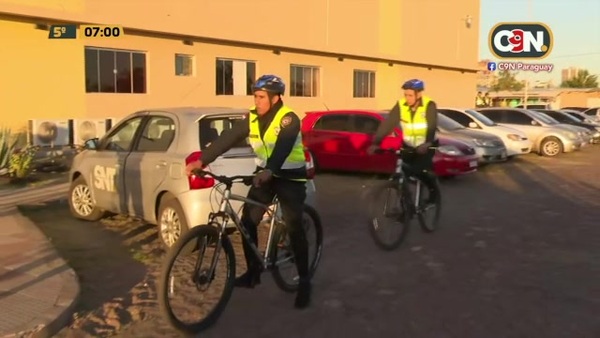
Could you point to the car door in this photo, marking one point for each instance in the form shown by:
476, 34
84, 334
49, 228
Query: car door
331, 141
108, 179
147, 166
523, 122
363, 128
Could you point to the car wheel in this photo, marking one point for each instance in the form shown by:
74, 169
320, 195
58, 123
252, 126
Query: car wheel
82, 203
172, 223
550, 147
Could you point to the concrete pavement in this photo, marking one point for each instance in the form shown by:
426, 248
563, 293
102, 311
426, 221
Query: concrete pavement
38, 290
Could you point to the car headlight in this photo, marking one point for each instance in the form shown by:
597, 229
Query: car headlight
513, 137
483, 143
449, 150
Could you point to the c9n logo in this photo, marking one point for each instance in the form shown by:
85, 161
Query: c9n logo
521, 40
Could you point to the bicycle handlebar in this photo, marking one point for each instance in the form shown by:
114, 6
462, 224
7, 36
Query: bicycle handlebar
227, 180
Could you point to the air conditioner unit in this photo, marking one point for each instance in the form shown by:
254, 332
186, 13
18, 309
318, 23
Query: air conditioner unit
49, 133
86, 129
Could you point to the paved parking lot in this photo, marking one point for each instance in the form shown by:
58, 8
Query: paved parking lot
517, 257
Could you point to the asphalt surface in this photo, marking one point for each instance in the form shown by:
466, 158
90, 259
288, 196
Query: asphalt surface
517, 256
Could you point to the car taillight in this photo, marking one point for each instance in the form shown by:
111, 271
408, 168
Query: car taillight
198, 182
310, 165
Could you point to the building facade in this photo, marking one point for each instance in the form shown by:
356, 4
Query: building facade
331, 53
569, 73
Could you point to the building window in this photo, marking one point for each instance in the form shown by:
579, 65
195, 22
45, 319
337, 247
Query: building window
304, 81
235, 77
184, 65
114, 71
364, 83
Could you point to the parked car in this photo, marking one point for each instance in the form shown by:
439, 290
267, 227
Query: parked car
490, 148
338, 140
138, 169
548, 139
583, 133
593, 113
564, 118
581, 116
516, 142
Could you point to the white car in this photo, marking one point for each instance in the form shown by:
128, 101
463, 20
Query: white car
138, 169
516, 142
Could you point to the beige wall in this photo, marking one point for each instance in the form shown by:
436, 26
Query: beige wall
426, 31
46, 78
579, 99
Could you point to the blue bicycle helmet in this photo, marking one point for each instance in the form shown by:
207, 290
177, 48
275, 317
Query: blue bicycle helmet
414, 84
270, 83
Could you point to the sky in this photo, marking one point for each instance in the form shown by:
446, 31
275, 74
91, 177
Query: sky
575, 25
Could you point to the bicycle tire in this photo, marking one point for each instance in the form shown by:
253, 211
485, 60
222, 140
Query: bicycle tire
405, 221
275, 271
429, 228
162, 295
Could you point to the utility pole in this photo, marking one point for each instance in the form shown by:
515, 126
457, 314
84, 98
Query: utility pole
526, 89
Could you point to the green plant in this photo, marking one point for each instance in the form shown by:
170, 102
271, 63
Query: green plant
7, 147
20, 163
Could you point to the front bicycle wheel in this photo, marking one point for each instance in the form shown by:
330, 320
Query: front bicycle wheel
284, 269
199, 250
389, 215
429, 214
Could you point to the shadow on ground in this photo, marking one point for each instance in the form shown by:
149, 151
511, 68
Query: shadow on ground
112, 259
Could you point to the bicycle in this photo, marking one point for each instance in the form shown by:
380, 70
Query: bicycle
215, 235
407, 206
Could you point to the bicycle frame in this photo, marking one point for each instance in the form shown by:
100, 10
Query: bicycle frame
400, 175
226, 213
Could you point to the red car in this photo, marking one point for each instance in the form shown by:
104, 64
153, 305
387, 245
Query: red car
338, 140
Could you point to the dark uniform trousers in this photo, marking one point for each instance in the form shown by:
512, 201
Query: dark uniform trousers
291, 195
422, 166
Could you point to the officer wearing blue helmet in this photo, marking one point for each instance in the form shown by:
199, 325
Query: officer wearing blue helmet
416, 114
273, 130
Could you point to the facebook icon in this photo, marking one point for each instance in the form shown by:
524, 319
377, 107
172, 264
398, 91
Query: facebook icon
491, 66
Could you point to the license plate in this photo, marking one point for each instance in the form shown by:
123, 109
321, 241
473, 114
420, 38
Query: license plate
473, 164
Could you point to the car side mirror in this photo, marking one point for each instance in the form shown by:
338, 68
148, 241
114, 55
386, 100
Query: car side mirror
91, 144
534, 123
473, 125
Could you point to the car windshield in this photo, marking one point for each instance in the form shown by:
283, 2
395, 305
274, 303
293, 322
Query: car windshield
447, 123
543, 117
481, 118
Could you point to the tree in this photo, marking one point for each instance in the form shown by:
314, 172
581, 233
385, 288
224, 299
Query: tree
506, 81
583, 79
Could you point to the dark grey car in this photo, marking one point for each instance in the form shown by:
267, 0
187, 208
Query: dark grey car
490, 148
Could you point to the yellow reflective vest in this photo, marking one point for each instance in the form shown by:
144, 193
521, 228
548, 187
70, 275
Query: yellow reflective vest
263, 146
414, 128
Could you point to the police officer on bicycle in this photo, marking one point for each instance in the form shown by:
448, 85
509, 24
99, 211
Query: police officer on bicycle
274, 133
417, 116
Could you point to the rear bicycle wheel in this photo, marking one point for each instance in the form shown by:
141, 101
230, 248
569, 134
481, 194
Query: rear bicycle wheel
429, 214
389, 215
197, 248
282, 256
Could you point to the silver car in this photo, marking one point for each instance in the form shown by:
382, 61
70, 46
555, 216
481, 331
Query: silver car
138, 169
489, 147
548, 138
